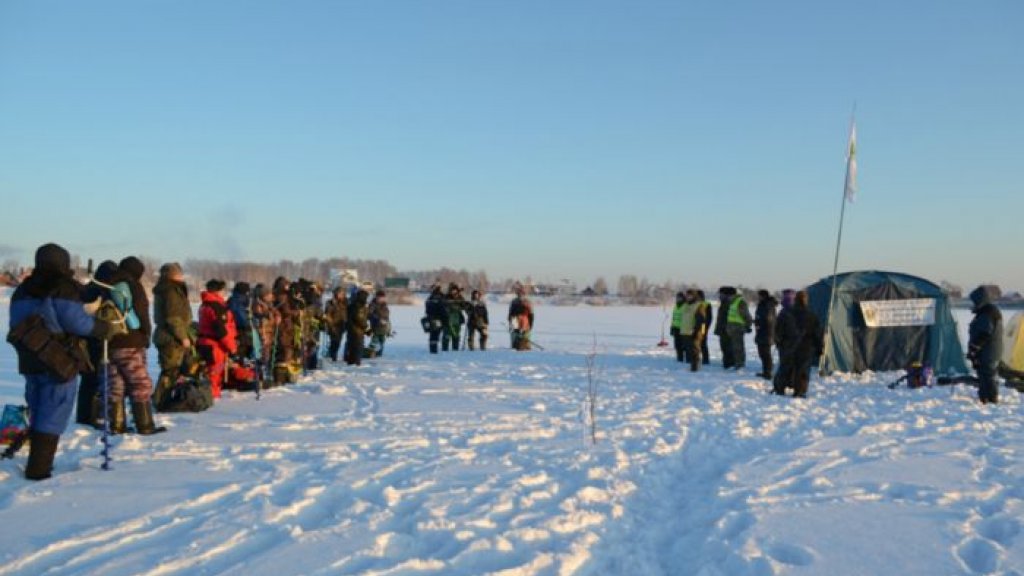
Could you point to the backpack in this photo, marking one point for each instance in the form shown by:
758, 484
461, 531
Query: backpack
191, 393
13, 424
121, 296
13, 429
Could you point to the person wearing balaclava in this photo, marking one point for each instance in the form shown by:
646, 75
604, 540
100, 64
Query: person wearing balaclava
985, 343
47, 305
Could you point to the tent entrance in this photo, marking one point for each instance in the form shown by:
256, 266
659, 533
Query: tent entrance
892, 348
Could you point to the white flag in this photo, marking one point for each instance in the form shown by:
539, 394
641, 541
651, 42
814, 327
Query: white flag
851, 165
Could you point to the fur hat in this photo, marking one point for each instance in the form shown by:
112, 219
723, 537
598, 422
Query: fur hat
171, 269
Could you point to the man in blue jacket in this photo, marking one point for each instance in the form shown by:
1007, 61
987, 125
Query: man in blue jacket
51, 294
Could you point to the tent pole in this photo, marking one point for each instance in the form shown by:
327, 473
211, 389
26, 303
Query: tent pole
827, 352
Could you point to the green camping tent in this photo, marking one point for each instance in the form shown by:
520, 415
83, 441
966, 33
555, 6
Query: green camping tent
887, 321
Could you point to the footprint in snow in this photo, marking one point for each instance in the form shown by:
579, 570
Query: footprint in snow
979, 556
789, 554
1002, 530
735, 523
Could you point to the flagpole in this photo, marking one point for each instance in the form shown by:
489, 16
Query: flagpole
823, 368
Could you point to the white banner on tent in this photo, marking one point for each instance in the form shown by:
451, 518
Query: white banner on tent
911, 312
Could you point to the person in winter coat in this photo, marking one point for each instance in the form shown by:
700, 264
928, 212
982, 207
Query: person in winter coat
285, 351
737, 324
218, 339
708, 318
691, 329
358, 325
380, 323
454, 305
265, 320
985, 342
674, 329
311, 320
240, 305
335, 320
725, 297
127, 374
520, 319
89, 406
436, 316
172, 317
50, 293
784, 336
799, 340
476, 320
764, 324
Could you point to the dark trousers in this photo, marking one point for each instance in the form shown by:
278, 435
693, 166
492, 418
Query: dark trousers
88, 387
739, 351
678, 340
725, 343
794, 372
435, 337
988, 391
691, 352
704, 351
802, 377
244, 343
333, 345
451, 337
765, 352
354, 349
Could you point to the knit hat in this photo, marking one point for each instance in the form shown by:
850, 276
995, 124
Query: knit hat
240, 288
105, 271
133, 266
53, 258
215, 285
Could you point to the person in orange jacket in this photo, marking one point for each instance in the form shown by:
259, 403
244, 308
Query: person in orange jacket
217, 333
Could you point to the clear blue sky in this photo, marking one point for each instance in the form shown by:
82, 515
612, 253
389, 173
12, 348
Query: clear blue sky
694, 141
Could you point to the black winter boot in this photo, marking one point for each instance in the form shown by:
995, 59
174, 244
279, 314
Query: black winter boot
41, 450
97, 412
163, 387
142, 415
86, 397
115, 411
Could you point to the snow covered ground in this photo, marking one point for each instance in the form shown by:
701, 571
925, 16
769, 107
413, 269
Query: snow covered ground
476, 463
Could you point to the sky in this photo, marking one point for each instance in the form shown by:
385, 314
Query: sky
688, 141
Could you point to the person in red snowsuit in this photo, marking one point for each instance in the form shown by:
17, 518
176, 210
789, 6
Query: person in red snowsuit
217, 333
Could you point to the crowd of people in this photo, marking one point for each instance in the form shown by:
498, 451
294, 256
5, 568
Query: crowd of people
447, 312
264, 336
798, 336
794, 331
254, 337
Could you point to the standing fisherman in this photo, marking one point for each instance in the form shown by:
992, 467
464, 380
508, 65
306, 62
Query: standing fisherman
520, 319
47, 322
